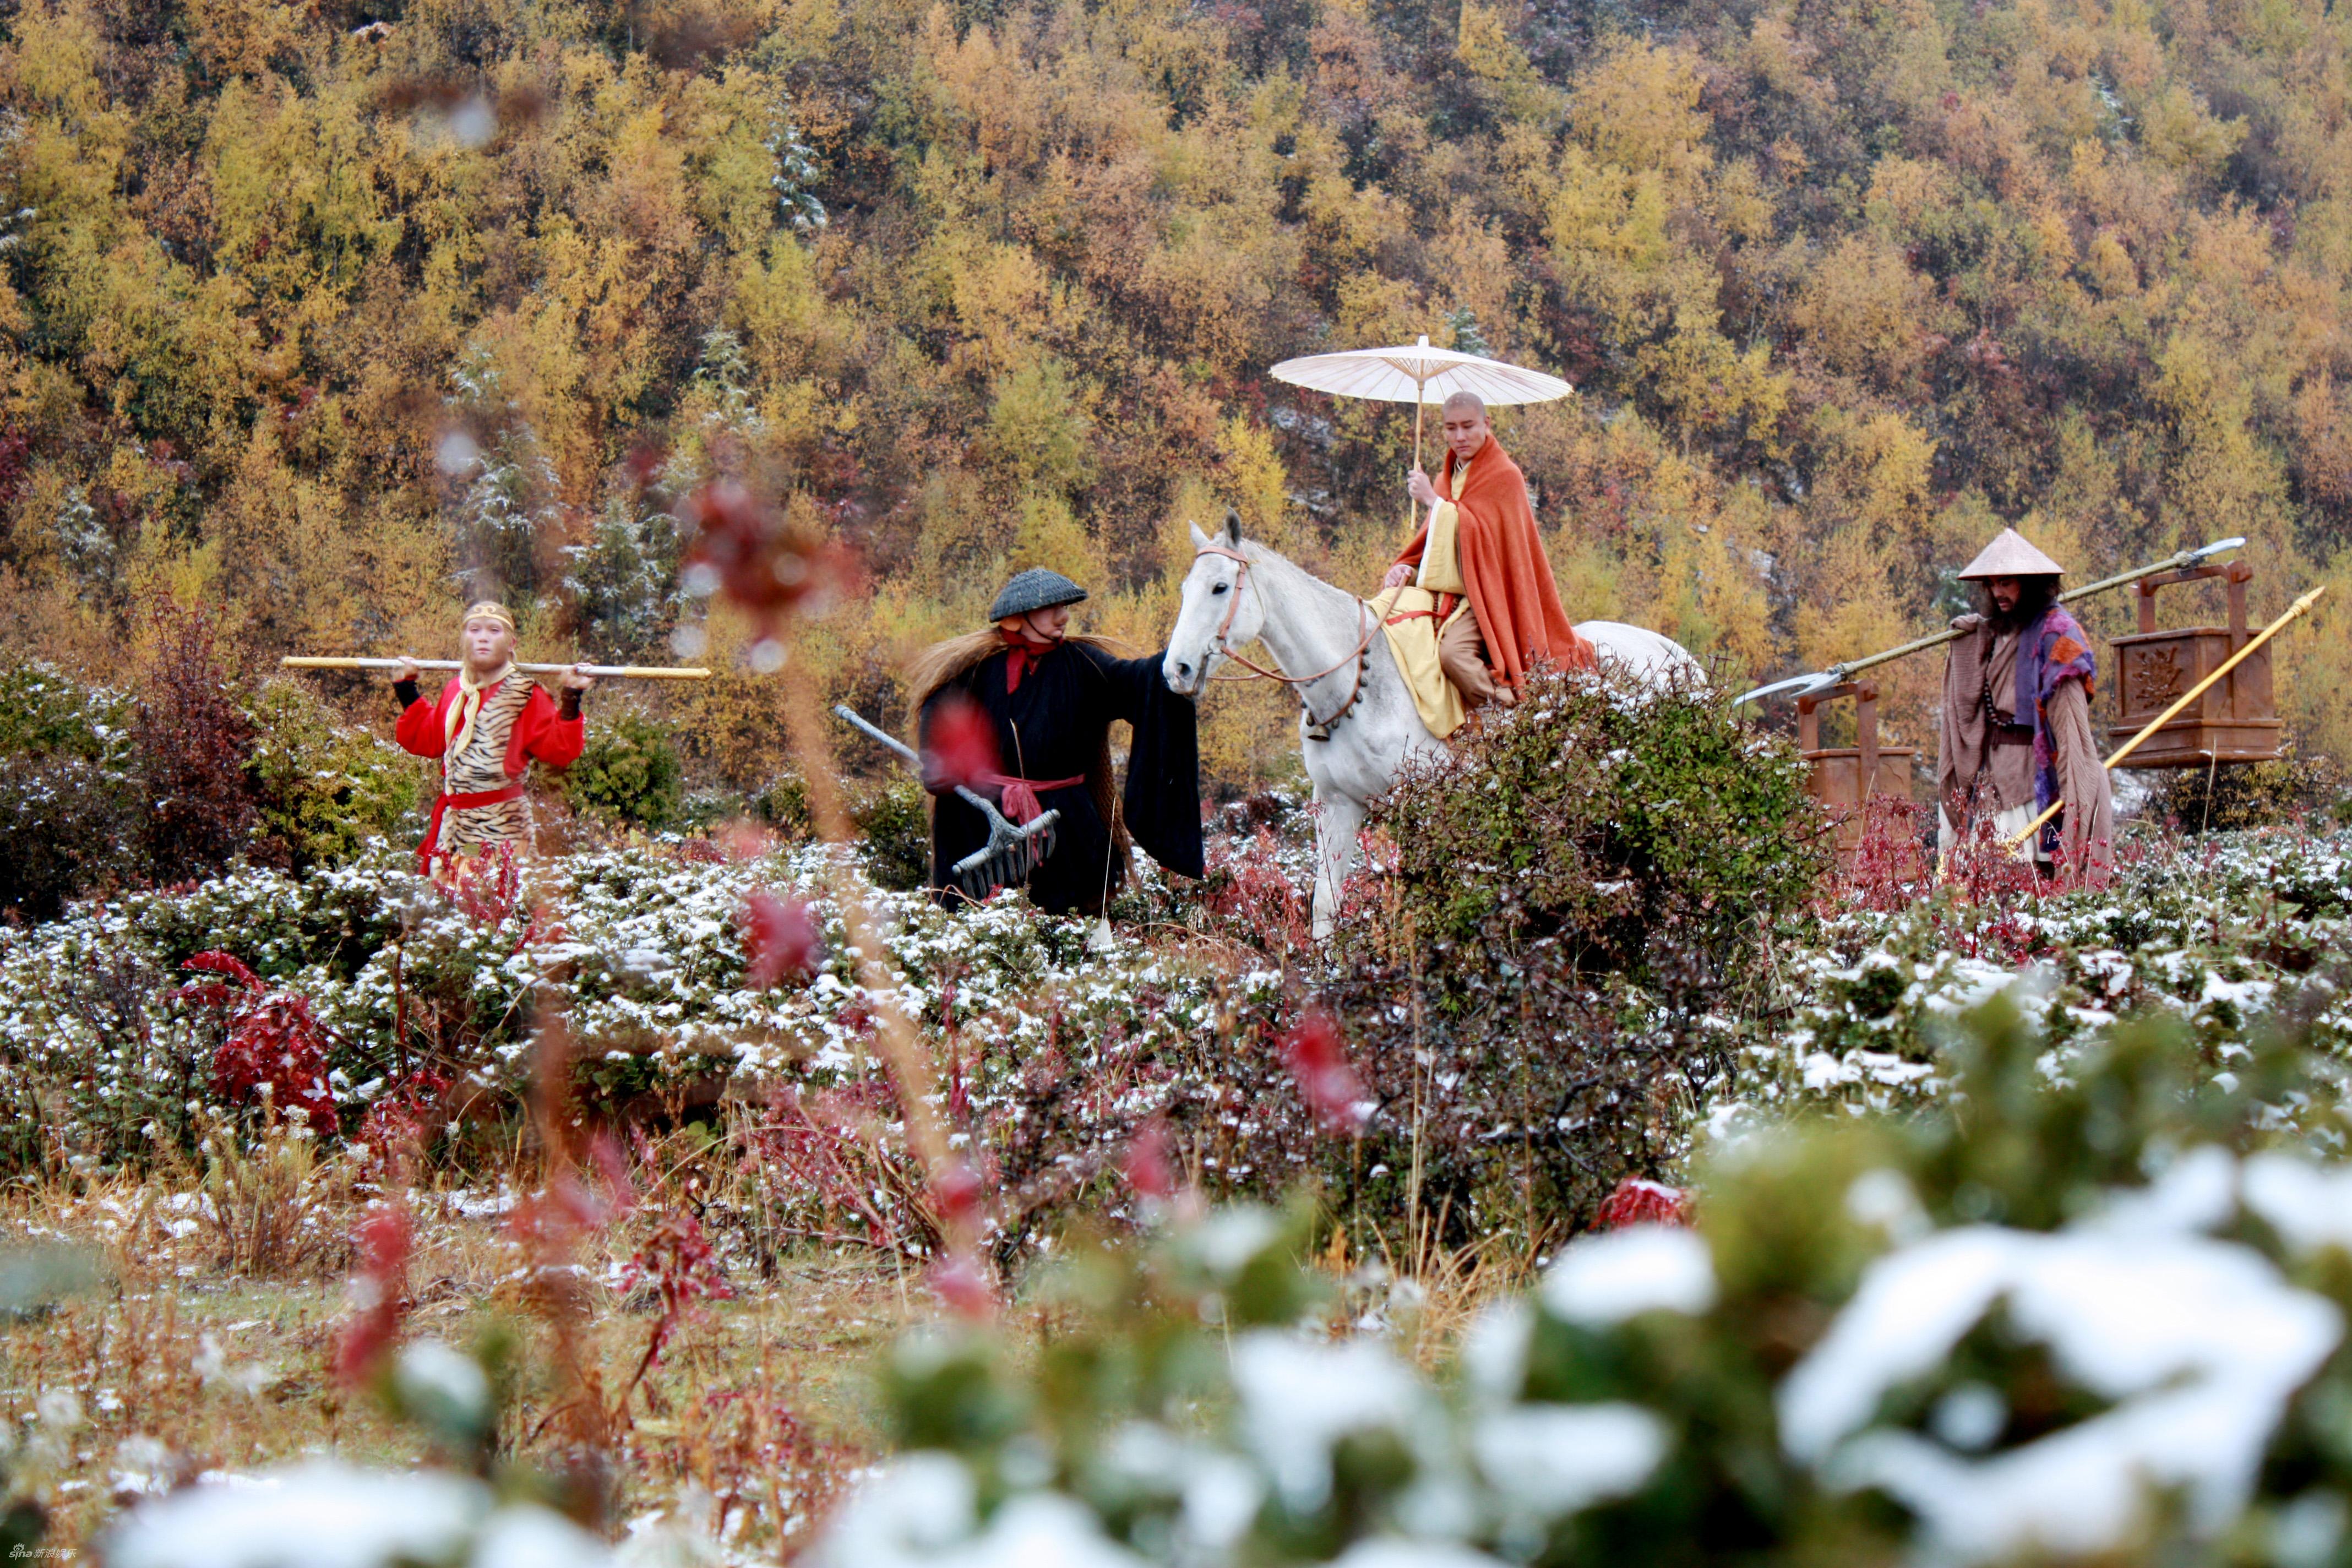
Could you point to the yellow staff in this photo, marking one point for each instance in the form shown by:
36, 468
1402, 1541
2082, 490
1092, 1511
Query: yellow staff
2191, 695
601, 671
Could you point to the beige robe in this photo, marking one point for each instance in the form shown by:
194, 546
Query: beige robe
1972, 776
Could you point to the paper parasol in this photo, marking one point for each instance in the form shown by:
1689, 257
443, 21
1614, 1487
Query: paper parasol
1418, 375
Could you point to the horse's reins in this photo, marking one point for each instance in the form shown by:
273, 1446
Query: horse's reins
1259, 672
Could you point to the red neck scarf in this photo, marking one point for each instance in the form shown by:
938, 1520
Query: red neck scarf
1022, 650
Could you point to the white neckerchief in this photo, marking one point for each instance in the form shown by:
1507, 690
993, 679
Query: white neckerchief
457, 724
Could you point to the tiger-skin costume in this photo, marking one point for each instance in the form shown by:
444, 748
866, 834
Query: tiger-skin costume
515, 723
481, 769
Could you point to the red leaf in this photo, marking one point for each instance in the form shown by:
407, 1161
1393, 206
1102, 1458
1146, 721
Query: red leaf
218, 962
780, 938
1318, 1058
962, 743
1639, 1202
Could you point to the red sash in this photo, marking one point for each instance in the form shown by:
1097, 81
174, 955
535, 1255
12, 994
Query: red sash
441, 805
1021, 802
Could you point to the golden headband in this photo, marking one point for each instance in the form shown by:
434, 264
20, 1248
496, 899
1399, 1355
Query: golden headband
488, 610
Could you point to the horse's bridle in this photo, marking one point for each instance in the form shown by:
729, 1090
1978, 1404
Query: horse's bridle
1298, 684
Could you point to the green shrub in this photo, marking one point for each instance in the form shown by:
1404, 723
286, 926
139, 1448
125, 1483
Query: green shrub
2294, 788
42, 708
628, 772
894, 822
67, 809
1602, 818
891, 815
784, 806
1535, 993
325, 787
67, 828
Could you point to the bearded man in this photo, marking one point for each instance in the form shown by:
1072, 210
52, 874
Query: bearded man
2016, 732
1021, 714
1482, 563
486, 727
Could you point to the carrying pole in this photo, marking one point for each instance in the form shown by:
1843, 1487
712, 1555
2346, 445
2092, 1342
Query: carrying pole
599, 671
1835, 673
2191, 695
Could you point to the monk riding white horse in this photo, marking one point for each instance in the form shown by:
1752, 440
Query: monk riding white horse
1328, 647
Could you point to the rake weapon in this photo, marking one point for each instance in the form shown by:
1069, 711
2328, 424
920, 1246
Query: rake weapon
1821, 680
1013, 850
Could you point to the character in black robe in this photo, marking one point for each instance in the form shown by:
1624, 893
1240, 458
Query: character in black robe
1050, 699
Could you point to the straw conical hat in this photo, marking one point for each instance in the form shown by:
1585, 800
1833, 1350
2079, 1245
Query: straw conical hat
2011, 555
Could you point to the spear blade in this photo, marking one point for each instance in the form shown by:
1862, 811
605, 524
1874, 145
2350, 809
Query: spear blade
1795, 686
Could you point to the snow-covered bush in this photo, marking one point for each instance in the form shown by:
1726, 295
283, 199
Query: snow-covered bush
1607, 820
2233, 930
2098, 1316
1544, 978
1050, 1055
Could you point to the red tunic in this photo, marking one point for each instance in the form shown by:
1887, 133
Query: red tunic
480, 800
540, 731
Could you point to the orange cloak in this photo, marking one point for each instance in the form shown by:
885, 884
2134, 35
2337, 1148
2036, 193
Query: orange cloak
1505, 571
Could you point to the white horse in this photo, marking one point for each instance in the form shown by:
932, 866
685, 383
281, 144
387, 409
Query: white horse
1328, 647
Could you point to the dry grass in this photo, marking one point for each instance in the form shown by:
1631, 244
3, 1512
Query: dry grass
207, 1340
205, 1344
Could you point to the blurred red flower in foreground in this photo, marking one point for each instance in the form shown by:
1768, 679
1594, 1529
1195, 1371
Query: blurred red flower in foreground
1318, 1058
1640, 1202
378, 1292
964, 1286
745, 548
957, 1190
1147, 1170
781, 941
961, 746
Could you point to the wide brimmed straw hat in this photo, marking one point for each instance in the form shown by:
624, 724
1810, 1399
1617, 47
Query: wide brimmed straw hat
2011, 555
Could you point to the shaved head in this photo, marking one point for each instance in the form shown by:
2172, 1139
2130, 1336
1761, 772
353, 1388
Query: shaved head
1464, 421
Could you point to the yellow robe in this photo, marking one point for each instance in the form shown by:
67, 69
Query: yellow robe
1413, 643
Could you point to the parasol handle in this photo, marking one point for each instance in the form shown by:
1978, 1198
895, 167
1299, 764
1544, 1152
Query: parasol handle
1413, 503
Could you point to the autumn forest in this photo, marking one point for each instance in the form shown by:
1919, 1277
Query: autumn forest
332, 315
